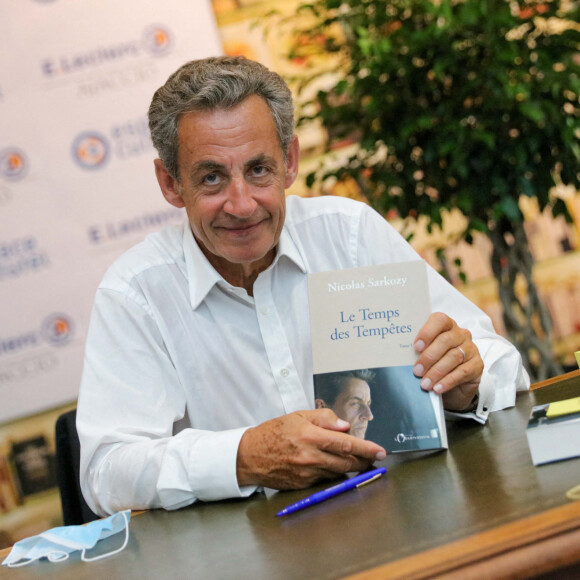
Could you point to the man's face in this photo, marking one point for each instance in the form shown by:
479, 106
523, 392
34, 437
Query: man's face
232, 184
353, 404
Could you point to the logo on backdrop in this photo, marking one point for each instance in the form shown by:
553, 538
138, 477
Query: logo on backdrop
155, 39
55, 330
113, 231
124, 140
13, 164
32, 359
28, 368
20, 256
90, 150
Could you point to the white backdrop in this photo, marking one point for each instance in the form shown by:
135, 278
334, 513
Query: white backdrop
77, 185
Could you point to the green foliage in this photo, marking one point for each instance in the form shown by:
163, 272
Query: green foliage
455, 104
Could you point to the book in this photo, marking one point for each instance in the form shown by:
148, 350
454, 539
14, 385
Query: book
553, 431
34, 465
9, 492
363, 324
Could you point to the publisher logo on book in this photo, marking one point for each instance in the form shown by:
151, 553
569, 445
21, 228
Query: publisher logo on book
402, 438
90, 150
13, 164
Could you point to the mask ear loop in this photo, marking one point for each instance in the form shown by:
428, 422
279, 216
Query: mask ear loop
54, 556
84, 559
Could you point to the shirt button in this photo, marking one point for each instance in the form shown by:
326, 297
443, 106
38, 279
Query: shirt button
284, 372
265, 310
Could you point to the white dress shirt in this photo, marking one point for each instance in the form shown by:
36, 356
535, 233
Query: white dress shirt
179, 363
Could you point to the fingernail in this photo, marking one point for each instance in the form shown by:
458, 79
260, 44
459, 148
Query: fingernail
419, 346
380, 456
425, 383
418, 370
438, 388
342, 424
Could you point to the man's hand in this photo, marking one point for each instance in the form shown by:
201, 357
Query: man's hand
296, 450
449, 362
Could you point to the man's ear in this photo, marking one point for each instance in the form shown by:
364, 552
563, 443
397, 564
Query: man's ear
292, 162
168, 184
319, 404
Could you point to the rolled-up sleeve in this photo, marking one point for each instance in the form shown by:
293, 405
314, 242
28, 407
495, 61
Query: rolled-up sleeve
131, 457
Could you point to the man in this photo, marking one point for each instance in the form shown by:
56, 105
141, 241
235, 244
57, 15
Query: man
348, 394
197, 382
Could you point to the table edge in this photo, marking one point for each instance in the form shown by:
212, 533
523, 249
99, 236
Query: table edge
542, 542
554, 380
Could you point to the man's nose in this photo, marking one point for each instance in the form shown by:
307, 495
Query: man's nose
240, 202
366, 413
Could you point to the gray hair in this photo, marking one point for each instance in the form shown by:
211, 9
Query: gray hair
327, 386
216, 83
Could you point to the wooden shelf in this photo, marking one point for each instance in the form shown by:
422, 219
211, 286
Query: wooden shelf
38, 513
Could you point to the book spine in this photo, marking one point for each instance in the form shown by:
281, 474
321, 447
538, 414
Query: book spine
10, 496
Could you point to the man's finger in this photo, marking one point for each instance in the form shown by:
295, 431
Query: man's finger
325, 418
436, 324
345, 445
453, 368
341, 443
337, 465
465, 373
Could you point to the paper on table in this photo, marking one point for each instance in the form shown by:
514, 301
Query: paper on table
566, 407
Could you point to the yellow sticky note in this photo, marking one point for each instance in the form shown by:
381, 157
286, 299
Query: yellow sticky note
563, 407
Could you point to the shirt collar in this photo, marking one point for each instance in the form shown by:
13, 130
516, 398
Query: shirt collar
202, 276
287, 247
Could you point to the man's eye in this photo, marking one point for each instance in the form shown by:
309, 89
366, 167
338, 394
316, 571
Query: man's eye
259, 170
211, 179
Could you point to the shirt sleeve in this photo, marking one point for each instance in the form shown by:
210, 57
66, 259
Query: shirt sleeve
134, 453
504, 374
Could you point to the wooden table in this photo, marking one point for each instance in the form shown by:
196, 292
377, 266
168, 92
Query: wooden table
479, 510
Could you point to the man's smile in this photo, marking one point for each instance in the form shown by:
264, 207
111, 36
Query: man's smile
241, 228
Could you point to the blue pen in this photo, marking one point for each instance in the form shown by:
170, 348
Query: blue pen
337, 489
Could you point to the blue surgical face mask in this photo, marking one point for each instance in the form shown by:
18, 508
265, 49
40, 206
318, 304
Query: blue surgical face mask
56, 544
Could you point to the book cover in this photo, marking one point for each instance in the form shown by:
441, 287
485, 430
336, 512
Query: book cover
34, 465
9, 493
363, 323
553, 431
